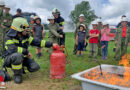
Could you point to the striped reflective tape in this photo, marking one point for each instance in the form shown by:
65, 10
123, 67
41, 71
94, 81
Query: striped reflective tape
43, 42
30, 39
17, 67
20, 50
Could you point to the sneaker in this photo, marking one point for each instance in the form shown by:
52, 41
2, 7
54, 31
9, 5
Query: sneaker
79, 55
38, 55
106, 58
95, 59
90, 57
82, 55
103, 58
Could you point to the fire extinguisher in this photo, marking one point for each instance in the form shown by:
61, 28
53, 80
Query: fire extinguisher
57, 63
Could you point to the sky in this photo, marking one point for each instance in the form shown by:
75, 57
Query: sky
110, 10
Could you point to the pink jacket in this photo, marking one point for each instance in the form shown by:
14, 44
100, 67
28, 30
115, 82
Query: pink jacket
104, 36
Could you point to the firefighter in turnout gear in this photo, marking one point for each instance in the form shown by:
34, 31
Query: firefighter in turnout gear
58, 19
16, 54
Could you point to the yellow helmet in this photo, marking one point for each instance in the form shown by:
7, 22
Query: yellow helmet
19, 24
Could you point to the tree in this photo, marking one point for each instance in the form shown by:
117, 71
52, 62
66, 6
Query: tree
83, 8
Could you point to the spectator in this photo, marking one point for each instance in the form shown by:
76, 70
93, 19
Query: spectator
81, 39
93, 40
119, 24
39, 34
104, 40
19, 11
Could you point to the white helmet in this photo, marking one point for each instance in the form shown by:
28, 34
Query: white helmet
94, 23
124, 19
50, 17
81, 15
2, 3
105, 23
99, 20
32, 16
35, 17
56, 11
7, 7
82, 25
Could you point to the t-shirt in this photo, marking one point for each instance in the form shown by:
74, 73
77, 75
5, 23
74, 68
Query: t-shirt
38, 29
81, 36
105, 37
94, 39
124, 32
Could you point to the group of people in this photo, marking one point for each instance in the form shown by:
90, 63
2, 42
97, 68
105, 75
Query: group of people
17, 34
16, 40
20, 33
99, 36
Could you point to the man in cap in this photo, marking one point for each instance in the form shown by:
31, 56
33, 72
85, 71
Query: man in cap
100, 26
60, 20
19, 11
2, 4
16, 54
122, 39
7, 20
81, 21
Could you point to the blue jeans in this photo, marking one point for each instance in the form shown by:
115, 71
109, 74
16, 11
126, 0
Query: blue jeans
104, 48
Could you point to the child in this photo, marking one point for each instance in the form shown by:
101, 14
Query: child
104, 40
93, 40
38, 32
81, 39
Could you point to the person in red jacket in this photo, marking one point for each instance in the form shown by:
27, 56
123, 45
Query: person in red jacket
93, 40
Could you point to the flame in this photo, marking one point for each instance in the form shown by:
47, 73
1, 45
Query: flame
112, 78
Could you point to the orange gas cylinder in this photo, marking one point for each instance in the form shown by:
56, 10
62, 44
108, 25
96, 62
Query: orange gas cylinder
57, 65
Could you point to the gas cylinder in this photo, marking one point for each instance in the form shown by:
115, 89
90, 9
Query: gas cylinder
57, 63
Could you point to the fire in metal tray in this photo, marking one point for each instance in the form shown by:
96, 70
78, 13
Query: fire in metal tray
112, 78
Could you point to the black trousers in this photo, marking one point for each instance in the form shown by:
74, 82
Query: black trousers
17, 59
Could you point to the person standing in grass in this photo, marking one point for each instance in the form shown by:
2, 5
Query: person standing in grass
99, 27
81, 39
122, 39
38, 32
104, 40
81, 21
93, 40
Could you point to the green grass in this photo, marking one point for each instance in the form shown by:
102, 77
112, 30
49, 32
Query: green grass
40, 80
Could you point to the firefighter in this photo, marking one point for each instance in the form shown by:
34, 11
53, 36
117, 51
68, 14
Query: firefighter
100, 26
16, 54
2, 4
122, 39
7, 20
81, 21
60, 20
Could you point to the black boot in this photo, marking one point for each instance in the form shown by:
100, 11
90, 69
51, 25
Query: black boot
18, 76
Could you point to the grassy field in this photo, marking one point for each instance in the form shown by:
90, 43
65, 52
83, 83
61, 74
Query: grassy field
40, 80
